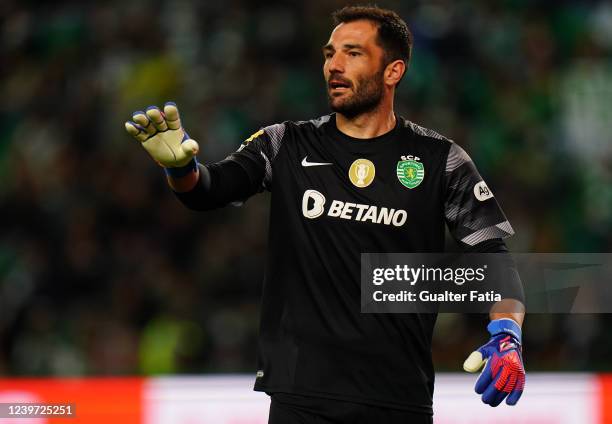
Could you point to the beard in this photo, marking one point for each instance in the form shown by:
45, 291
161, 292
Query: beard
364, 98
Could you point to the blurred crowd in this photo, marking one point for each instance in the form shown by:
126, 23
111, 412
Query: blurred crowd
103, 271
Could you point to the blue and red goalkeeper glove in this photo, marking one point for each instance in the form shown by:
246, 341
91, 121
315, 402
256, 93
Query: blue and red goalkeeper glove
503, 375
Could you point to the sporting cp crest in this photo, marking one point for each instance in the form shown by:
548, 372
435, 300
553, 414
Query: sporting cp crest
410, 172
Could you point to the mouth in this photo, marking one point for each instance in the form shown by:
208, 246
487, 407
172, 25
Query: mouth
336, 86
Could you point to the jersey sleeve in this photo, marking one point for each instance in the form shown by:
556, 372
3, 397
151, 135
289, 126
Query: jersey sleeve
471, 211
260, 150
239, 176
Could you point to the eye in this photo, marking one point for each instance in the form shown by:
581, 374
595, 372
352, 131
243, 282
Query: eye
354, 54
327, 55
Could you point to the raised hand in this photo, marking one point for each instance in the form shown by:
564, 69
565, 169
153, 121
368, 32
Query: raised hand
162, 135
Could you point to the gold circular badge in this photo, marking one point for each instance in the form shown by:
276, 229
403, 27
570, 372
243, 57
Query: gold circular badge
362, 173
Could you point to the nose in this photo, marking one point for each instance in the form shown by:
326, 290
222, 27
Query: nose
336, 63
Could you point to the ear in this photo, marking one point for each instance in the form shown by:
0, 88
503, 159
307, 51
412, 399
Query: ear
394, 71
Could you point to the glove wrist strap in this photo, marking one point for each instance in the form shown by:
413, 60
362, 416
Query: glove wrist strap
507, 326
179, 172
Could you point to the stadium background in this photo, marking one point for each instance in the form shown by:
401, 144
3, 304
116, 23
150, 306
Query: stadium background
104, 273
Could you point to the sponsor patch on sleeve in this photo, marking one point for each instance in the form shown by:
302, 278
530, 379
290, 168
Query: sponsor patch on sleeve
482, 192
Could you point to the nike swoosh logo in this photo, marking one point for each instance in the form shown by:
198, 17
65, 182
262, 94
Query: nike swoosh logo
306, 163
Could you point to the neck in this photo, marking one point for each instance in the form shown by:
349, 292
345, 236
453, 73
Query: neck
368, 125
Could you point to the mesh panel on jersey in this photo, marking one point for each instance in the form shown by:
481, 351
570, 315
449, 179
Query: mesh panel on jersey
275, 133
424, 131
501, 230
456, 157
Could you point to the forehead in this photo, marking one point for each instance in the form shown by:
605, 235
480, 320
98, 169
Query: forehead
361, 32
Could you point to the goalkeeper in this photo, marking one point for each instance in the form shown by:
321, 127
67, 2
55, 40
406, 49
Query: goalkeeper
339, 189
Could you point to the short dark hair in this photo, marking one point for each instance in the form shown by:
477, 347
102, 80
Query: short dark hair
394, 36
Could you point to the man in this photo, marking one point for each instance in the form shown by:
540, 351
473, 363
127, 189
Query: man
318, 356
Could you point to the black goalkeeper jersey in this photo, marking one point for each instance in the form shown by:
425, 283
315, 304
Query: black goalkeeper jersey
333, 198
